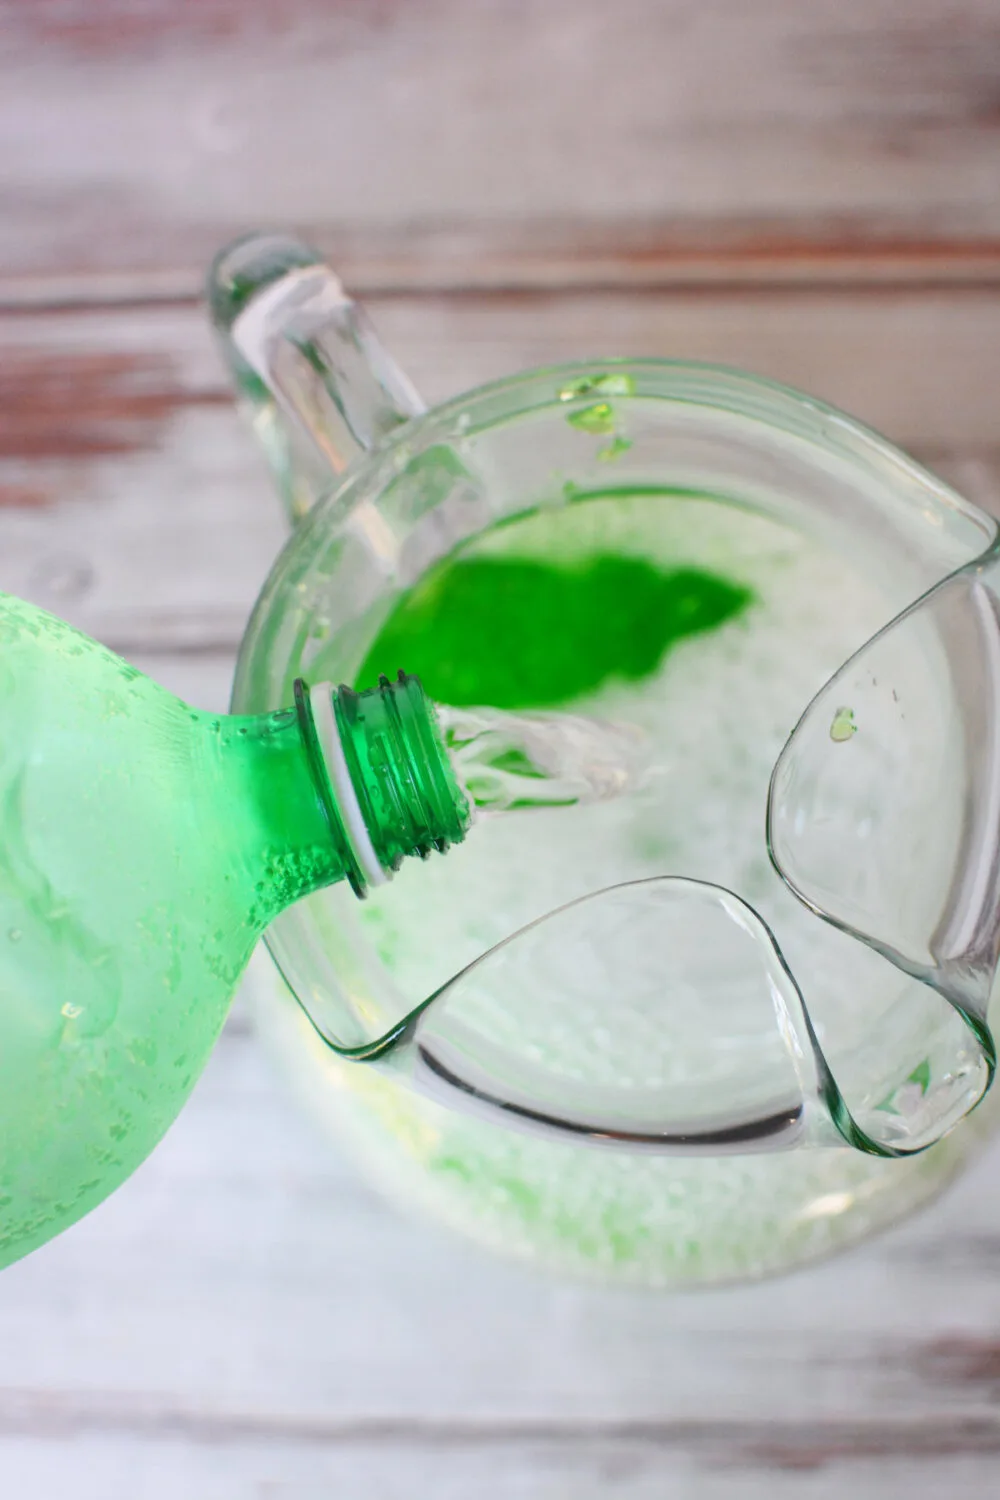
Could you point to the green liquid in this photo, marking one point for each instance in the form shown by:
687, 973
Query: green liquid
517, 633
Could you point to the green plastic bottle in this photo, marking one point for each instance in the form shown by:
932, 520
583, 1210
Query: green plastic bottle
144, 848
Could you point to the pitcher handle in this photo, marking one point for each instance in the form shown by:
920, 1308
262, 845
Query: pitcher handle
318, 386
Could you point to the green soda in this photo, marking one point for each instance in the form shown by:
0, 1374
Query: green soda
144, 848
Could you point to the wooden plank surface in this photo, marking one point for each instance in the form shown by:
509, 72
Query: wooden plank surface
810, 190
134, 503
439, 142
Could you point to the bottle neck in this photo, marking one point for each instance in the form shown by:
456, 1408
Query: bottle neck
381, 768
343, 786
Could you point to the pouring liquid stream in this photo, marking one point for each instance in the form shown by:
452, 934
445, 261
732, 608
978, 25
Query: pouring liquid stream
510, 762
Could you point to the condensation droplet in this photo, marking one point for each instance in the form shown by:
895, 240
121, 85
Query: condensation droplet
843, 726
614, 383
618, 445
598, 418
62, 577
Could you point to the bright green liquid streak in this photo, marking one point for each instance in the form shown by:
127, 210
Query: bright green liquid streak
518, 633
143, 848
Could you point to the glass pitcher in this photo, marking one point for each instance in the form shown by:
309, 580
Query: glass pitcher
683, 548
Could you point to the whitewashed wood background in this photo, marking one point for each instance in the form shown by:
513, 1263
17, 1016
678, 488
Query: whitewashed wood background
808, 188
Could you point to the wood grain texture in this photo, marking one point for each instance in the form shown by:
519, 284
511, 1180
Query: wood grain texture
807, 189
580, 1470
457, 140
133, 502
